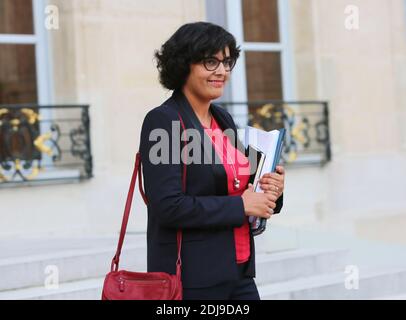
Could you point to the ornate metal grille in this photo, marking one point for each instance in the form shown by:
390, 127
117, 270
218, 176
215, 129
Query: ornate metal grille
44, 143
307, 141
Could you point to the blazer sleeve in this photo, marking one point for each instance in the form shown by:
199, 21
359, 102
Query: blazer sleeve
163, 185
279, 201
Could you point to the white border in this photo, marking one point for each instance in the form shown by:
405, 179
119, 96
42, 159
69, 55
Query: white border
238, 81
42, 55
288, 63
17, 39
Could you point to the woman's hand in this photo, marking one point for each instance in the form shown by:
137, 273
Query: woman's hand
273, 183
258, 204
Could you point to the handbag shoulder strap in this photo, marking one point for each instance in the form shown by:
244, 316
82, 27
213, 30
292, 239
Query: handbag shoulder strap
137, 171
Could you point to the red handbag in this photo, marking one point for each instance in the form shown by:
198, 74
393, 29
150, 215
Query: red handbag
126, 285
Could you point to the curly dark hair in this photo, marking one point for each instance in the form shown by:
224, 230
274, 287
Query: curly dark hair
191, 43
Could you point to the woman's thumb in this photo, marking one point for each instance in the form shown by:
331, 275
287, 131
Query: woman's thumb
250, 186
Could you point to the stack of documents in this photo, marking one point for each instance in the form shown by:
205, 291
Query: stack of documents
264, 152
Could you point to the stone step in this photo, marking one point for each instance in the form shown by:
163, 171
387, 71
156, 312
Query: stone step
291, 264
372, 284
89, 289
29, 264
271, 267
392, 297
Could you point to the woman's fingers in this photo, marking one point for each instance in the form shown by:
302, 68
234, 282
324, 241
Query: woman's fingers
272, 178
267, 213
266, 175
271, 185
277, 176
270, 188
280, 170
270, 196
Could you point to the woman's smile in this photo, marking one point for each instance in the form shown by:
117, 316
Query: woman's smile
216, 83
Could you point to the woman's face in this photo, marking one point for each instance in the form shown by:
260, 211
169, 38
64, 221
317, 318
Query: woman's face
208, 85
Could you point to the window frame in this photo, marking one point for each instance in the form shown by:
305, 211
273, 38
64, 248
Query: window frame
40, 41
238, 82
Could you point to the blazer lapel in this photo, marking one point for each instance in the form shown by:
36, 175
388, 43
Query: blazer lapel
191, 121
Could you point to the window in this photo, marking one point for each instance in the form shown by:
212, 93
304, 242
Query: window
18, 82
260, 20
16, 17
23, 80
264, 71
264, 77
23, 55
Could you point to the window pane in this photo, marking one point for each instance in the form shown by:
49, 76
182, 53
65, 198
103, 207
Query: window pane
16, 17
264, 77
260, 19
18, 82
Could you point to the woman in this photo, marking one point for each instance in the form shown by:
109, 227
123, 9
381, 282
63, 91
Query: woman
218, 254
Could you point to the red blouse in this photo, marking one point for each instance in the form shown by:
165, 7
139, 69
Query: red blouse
233, 157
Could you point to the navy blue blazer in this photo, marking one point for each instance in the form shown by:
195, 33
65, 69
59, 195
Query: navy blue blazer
205, 212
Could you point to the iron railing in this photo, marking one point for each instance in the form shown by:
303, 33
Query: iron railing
40, 144
307, 140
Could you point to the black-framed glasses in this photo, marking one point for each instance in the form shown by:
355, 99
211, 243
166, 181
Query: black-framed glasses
212, 63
